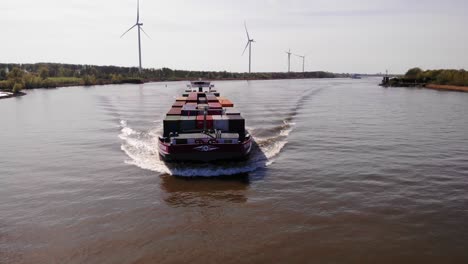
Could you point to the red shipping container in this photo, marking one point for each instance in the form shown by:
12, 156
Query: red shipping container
215, 111
193, 97
209, 122
214, 105
175, 111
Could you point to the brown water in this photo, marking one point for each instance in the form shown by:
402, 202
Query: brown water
344, 172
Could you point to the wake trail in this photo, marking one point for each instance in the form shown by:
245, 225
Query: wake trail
142, 148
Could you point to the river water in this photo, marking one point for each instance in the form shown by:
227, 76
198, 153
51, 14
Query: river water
345, 172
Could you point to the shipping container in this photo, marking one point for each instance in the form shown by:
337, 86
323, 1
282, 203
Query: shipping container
192, 97
178, 104
211, 98
189, 109
236, 124
231, 111
215, 105
200, 122
221, 122
191, 105
171, 124
215, 111
201, 106
175, 111
189, 112
188, 123
226, 103
181, 99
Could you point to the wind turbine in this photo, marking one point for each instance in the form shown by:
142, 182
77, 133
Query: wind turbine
139, 25
303, 61
249, 45
289, 60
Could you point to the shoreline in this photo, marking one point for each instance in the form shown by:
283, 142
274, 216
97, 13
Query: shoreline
24, 91
439, 87
447, 87
441, 79
6, 95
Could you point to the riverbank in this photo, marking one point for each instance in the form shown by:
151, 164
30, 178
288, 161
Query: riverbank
17, 77
8, 94
447, 87
430, 86
448, 80
14, 78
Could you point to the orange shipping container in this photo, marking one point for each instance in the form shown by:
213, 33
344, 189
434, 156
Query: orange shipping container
226, 103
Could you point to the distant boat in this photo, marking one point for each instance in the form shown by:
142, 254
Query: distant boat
355, 76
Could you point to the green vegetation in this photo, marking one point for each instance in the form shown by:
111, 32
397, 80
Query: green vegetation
418, 77
15, 77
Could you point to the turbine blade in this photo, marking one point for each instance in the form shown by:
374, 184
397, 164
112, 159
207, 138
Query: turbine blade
128, 30
245, 25
248, 43
138, 11
145, 32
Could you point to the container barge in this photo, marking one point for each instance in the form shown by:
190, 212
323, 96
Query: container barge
203, 126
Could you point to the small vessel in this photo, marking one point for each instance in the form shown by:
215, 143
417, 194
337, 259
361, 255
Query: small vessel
202, 126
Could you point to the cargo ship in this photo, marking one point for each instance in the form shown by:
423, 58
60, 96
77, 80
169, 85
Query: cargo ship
203, 126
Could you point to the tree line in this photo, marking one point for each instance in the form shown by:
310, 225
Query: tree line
417, 76
15, 77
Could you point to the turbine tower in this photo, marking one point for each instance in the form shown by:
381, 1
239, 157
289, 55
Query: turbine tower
289, 60
249, 45
140, 28
303, 61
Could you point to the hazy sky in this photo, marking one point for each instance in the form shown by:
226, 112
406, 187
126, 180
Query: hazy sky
336, 35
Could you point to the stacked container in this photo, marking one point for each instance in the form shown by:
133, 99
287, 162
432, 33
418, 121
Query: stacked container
201, 120
188, 123
221, 122
226, 103
232, 111
178, 104
236, 124
213, 105
186, 116
171, 124
175, 111
211, 98
189, 109
192, 97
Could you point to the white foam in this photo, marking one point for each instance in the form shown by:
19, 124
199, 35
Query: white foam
142, 149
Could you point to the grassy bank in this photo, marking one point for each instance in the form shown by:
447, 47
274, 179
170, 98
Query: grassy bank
456, 80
